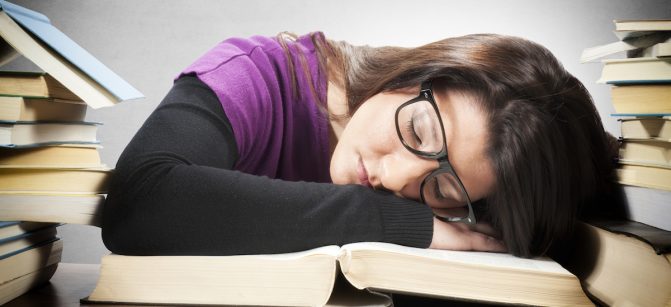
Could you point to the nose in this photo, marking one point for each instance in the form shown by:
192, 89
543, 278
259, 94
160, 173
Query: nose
403, 172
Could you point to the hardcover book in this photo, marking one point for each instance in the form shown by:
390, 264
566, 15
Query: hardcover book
51, 208
32, 35
618, 266
32, 134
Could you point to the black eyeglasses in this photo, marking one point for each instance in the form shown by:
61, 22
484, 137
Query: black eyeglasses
421, 131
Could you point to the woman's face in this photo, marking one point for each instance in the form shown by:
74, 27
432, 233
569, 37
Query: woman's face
370, 153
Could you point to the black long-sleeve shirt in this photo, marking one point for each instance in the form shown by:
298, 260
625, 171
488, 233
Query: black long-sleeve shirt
174, 193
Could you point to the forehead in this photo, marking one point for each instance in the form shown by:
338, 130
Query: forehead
466, 135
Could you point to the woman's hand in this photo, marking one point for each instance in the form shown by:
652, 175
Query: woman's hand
460, 236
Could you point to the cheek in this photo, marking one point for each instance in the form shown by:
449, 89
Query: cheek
338, 169
375, 129
366, 135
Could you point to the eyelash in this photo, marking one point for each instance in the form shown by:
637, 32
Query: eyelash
410, 127
437, 192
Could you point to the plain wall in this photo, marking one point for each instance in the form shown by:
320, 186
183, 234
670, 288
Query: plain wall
148, 42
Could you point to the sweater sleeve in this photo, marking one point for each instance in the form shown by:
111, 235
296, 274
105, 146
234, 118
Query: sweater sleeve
174, 193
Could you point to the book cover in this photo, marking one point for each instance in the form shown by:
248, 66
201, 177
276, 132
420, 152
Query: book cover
25, 269
49, 58
648, 206
636, 71
37, 134
40, 26
618, 269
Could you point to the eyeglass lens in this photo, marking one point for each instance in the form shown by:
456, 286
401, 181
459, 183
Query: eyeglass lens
420, 129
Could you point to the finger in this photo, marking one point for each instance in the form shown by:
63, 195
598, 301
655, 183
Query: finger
486, 229
484, 243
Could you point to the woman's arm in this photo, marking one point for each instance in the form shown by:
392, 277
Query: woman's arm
174, 193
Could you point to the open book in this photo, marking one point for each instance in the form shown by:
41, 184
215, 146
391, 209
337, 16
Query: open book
307, 278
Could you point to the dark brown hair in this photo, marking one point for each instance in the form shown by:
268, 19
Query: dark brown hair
548, 148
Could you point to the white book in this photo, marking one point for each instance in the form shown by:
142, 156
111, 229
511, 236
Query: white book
307, 278
648, 206
68, 209
27, 134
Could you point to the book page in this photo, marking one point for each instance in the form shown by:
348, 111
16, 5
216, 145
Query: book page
331, 250
496, 260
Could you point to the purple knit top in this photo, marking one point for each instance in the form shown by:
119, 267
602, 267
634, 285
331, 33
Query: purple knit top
278, 135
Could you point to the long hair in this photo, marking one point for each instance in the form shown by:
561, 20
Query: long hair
549, 151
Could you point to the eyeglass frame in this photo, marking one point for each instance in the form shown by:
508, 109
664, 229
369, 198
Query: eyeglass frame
444, 165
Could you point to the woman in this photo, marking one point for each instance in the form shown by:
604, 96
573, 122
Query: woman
481, 142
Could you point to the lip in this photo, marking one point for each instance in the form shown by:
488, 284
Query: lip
362, 173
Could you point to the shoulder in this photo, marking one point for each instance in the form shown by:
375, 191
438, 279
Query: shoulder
229, 50
251, 50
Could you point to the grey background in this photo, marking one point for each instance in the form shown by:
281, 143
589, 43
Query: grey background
149, 42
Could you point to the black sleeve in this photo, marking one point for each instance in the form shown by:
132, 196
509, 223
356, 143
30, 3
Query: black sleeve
173, 193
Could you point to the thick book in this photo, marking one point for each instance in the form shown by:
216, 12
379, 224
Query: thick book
22, 109
648, 206
658, 128
32, 35
32, 134
636, 71
660, 50
70, 209
30, 259
33, 85
619, 269
307, 278
12, 228
61, 156
54, 181
643, 99
23, 270
647, 176
26, 240
625, 29
20, 285
646, 152
630, 44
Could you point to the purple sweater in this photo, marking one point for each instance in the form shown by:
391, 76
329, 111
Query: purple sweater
278, 135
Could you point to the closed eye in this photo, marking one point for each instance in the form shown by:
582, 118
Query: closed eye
410, 128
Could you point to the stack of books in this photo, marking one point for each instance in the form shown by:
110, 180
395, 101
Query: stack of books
50, 167
50, 172
627, 261
29, 255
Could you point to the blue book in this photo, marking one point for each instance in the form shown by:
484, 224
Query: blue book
17, 243
9, 229
4, 224
58, 55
